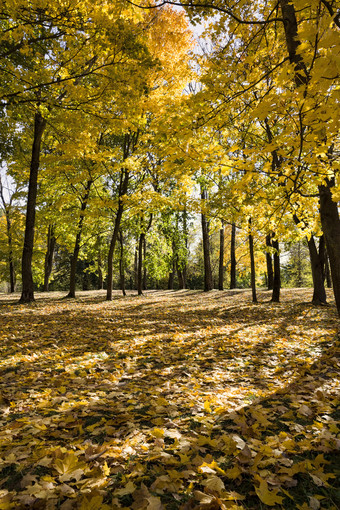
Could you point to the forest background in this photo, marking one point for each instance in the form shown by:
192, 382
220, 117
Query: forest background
120, 130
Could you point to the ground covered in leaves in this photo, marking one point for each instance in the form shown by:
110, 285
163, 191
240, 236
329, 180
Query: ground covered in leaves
175, 400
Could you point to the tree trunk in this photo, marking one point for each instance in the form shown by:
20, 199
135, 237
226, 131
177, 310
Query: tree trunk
27, 294
185, 232
171, 277
144, 267
179, 276
317, 264
277, 274
221, 259
252, 264
121, 265
331, 228
208, 279
74, 259
327, 271
269, 261
99, 263
140, 265
135, 266
233, 257
49, 256
124, 180
319, 293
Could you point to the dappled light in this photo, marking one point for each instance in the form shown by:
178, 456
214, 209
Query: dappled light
170, 400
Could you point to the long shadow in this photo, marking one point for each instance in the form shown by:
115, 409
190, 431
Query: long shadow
160, 380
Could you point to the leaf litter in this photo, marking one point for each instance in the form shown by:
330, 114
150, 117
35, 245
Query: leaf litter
175, 400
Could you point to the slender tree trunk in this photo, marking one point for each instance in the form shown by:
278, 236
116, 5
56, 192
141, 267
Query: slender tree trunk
171, 277
49, 256
252, 264
185, 232
221, 259
144, 267
269, 261
75, 255
27, 294
233, 257
331, 228
140, 265
135, 266
124, 181
299, 268
208, 279
277, 274
327, 271
121, 264
99, 263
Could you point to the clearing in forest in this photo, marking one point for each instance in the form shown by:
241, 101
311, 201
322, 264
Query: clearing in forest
175, 400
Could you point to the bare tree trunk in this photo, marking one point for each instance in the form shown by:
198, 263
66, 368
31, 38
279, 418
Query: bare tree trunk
269, 261
327, 271
49, 256
144, 267
208, 279
221, 259
99, 263
277, 274
252, 264
185, 232
121, 264
124, 181
140, 265
74, 258
27, 294
135, 266
233, 257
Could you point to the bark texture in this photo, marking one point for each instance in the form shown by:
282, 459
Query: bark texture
233, 257
208, 279
49, 256
27, 294
331, 228
269, 262
221, 259
252, 264
277, 274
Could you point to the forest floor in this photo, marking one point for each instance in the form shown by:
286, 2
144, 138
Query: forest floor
175, 400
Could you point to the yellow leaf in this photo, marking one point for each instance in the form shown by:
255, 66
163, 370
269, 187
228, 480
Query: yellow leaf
105, 468
157, 433
214, 483
93, 503
233, 473
268, 497
128, 489
207, 407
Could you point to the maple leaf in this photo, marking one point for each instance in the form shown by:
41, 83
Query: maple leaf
267, 497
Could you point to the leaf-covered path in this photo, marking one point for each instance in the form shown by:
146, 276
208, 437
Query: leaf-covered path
175, 400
